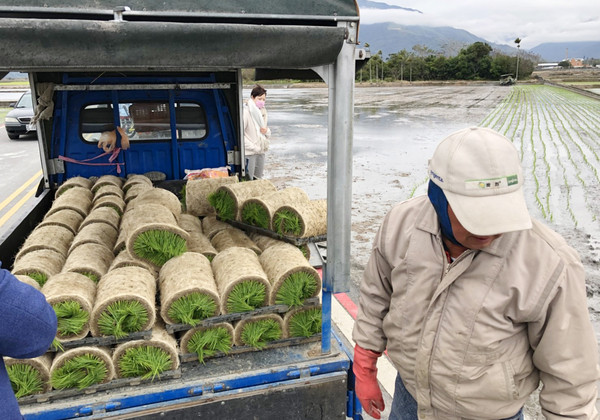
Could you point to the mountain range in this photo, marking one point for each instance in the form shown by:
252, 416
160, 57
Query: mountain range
391, 37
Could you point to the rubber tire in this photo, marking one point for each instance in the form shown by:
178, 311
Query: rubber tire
12, 136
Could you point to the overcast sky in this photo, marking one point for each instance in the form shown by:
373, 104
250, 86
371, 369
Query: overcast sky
500, 21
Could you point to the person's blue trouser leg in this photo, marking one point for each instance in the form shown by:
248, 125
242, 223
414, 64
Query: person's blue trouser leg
404, 406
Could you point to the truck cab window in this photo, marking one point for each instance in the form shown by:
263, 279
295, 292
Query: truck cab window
145, 121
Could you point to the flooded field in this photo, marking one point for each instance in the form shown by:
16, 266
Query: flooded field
396, 129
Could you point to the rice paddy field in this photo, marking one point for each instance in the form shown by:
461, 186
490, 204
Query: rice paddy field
396, 129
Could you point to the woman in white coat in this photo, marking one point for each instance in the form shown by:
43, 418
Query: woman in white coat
256, 133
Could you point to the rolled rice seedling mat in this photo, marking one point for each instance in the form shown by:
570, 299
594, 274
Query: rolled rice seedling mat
228, 238
29, 376
207, 341
81, 368
154, 235
228, 200
157, 196
264, 241
127, 223
155, 176
136, 179
198, 190
188, 291
198, 242
190, 223
106, 215
211, 226
292, 278
259, 211
108, 190
242, 283
40, 265
54, 237
125, 302
76, 181
66, 218
301, 220
77, 199
236, 316
124, 259
135, 190
107, 180
95, 233
72, 296
112, 201
147, 358
89, 259
302, 322
258, 331
28, 280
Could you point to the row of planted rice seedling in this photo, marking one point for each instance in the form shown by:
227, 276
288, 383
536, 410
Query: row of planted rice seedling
558, 135
115, 257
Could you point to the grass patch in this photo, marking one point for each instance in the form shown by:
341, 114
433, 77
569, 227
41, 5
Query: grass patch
71, 318
246, 296
287, 222
223, 203
207, 343
305, 323
192, 308
259, 333
159, 246
79, 372
39, 277
122, 317
25, 380
256, 215
297, 287
146, 362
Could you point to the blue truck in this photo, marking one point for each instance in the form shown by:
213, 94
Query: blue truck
169, 74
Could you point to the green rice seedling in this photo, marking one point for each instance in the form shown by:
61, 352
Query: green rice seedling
297, 287
207, 343
246, 296
159, 246
122, 317
39, 277
115, 208
256, 215
193, 308
146, 362
182, 194
24, 379
93, 277
223, 203
259, 333
305, 323
57, 345
71, 318
79, 372
287, 222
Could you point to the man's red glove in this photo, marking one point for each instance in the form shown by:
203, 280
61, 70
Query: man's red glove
365, 382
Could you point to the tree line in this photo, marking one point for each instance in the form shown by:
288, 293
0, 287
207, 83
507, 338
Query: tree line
477, 61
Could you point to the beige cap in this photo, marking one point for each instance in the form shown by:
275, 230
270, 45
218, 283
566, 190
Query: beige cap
480, 172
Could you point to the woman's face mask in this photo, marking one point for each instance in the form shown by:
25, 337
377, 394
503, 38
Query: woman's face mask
259, 104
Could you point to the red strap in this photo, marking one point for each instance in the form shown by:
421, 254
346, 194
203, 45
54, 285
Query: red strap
113, 156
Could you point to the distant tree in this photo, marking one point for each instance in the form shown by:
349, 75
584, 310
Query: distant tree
566, 64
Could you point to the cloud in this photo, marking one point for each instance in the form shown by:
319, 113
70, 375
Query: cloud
533, 21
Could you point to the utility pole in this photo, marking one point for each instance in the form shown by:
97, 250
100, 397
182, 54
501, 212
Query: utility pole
518, 42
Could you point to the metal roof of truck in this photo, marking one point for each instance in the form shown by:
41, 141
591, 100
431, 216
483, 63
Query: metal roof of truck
167, 35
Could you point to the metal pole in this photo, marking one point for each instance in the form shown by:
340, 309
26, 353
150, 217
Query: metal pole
339, 180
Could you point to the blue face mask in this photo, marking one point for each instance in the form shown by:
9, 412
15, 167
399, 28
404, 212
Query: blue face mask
440, 204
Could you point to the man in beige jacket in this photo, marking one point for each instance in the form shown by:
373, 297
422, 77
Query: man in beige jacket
475, 302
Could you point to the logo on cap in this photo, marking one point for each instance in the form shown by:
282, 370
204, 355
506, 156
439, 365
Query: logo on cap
502, 182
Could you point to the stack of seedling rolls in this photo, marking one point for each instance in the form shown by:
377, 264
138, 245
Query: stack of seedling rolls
259, 211
228, 200
197, 240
